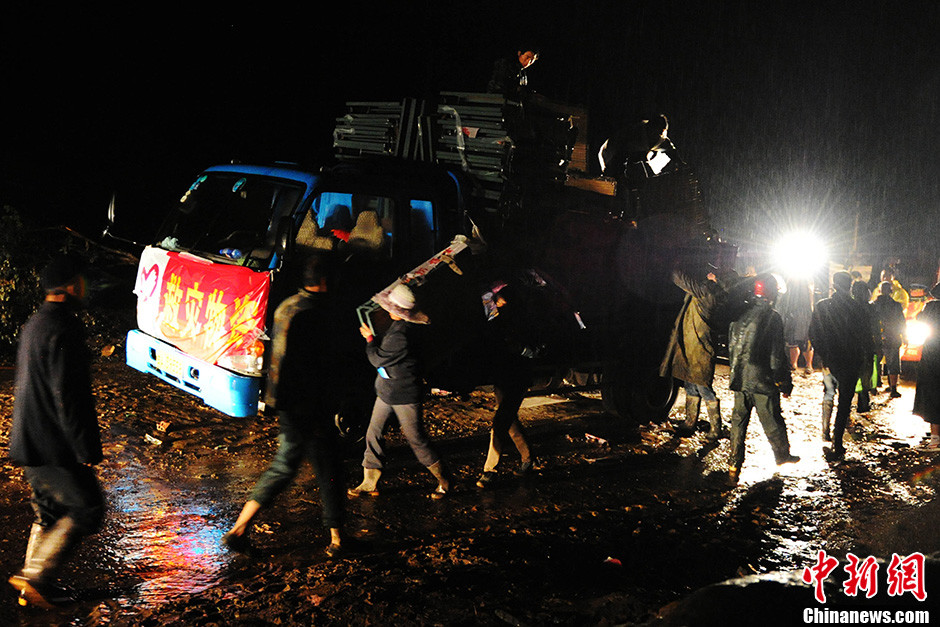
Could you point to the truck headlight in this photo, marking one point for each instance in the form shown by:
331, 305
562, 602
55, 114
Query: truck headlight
251, 362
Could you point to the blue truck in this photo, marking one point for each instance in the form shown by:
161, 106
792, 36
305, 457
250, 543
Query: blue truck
411, 177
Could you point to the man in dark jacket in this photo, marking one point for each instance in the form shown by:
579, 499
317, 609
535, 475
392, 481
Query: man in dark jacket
310, 365
509, 73
890, 316
399, 391
840, 330
55, 435
690, 355
760, 373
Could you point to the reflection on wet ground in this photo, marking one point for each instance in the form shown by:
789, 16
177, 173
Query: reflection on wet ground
168, 535
615, 495
809, 495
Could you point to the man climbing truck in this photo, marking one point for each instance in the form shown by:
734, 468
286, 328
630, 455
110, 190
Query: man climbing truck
591, 267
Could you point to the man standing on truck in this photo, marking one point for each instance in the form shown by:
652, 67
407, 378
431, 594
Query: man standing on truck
760, 373
690, 356
509, 73
55, 435
310, 365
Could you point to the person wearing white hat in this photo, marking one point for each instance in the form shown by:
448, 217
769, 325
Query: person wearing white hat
399, 390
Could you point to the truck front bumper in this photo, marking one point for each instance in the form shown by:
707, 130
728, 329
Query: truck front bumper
229, 392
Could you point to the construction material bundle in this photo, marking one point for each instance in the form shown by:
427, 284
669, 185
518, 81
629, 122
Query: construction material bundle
494, 140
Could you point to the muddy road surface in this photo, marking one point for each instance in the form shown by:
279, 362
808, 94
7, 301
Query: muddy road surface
618, 522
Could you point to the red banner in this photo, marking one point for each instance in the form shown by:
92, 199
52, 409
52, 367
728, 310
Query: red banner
205, 309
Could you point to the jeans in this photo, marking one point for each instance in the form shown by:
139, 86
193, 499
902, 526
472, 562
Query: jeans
506, 426
318, 444
843, 380
771, 419
60, 491
830, 385
705, 392
412, 427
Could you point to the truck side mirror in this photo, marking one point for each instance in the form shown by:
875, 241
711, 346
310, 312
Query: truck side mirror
107, 229
110, 222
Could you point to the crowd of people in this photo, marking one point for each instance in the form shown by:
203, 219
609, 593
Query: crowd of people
55, 435
855, 334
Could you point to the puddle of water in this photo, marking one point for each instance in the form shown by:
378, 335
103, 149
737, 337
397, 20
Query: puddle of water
903, 425
167, 536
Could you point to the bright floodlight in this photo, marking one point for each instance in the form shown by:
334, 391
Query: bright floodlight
917, 332
799, 254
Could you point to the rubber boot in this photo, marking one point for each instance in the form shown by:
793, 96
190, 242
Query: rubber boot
893, 386
443, 480
369, 485
49, 549
863, 405
493, 453
692, 404
517, 435
826, 419
714, 419
36, 534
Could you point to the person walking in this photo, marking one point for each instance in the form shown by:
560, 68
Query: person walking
399, 391
927, 391
890, 316
841, 332
760, 373
796, 308
868, 381
310, 366
690, 354
510, 362
55, 435
896, 291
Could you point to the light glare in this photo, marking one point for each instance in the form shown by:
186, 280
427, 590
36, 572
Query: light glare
917, 332
799, 254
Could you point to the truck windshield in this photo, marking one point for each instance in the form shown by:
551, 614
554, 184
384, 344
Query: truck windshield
230, 216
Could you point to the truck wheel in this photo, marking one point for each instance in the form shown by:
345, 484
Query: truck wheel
616, 395
352, 419
653, 400
638, 397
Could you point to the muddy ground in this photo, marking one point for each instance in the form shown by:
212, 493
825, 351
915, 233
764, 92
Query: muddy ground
619, 521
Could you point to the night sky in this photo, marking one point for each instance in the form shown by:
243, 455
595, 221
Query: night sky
793, 113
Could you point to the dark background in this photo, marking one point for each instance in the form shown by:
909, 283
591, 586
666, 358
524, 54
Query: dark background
818, 114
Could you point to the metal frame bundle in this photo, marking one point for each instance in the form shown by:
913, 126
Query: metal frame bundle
485, 135
473, 133
368, 129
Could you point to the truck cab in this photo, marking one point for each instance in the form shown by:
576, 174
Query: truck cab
232, 248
